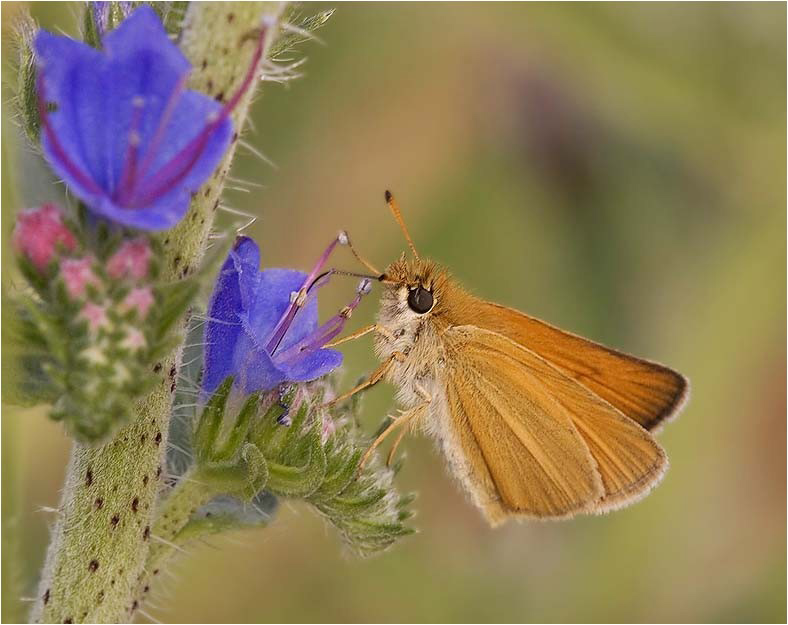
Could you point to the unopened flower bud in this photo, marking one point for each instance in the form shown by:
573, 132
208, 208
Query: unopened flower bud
95, 315
38, 233
77, 273
131, 260
134, 340
139, 299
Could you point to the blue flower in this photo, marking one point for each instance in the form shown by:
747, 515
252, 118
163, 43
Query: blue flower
257, 333
120, 128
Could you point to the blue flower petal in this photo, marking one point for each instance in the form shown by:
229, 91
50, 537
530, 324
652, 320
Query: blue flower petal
273, 299
312, 365
143, 31
223, 329
256, 370
246, 258
132, 89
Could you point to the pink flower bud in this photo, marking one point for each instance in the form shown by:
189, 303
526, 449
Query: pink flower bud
38, 233
140, 299
77, 273
131, 260
95, 315
134, 340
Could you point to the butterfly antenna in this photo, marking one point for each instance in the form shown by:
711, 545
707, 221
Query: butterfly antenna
394, 208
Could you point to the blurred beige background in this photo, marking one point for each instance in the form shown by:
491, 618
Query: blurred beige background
616, 169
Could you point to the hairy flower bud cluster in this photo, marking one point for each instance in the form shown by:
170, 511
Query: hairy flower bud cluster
106, 317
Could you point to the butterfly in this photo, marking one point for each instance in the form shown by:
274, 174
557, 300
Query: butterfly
534, 422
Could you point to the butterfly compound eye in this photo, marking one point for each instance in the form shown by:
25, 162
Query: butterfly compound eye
420, 300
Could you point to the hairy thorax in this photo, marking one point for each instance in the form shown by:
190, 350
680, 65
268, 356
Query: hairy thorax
413, 342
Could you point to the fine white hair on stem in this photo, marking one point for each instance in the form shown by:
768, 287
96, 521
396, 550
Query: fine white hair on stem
308, 35
243, 181
147, 616
255, 152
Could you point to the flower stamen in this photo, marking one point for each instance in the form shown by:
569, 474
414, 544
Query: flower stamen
314, 279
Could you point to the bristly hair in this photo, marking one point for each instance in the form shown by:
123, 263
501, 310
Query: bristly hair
417, 272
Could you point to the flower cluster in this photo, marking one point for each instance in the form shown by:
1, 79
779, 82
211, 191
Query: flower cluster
119, 127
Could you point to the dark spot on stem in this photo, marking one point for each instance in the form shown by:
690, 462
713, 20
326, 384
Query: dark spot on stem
146, 588
230, 18
173, 370
135, 504
114, 520
176, 261
158, 473
146, 533
157, 439
143, 438
100, 596
219, 96
68, 620
89, 477
157, 367
46, 596
135, 605
99, 503
204, 63
207, 191
93, 566
145, 480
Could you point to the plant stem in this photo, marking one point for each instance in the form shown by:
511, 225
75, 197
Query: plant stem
101, 539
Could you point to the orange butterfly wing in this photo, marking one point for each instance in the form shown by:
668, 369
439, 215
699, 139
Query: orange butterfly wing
535, 442
644, 391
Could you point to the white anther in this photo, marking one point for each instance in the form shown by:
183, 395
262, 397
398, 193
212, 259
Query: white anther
364, 287
212, 117
343, 238
138, 101
134, 138
298, 297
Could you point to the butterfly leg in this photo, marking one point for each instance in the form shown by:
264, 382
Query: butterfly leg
363, 332
377, 375
393, 450
421, 392
401, 421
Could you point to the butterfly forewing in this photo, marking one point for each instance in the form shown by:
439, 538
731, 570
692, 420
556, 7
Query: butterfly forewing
550, 446
644, 391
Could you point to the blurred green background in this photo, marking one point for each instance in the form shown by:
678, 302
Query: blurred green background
616, 169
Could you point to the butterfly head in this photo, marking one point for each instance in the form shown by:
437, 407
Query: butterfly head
413, 291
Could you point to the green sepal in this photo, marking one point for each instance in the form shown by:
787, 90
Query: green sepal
210, 422
89, 29
239, 430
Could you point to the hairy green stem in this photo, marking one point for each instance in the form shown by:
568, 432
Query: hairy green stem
190, 493
102, 536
